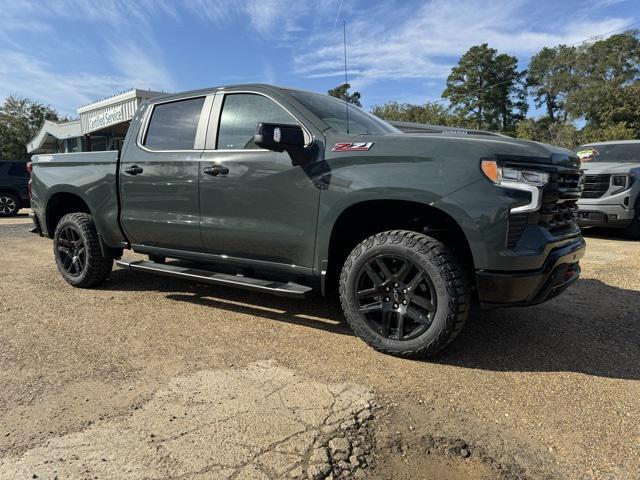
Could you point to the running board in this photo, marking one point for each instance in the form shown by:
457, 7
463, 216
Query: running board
289, 289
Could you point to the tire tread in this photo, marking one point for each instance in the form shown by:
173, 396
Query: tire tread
456, 281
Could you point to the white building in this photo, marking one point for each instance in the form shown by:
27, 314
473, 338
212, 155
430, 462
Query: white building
102, 126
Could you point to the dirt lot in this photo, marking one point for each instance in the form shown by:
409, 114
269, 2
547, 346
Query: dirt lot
149, 377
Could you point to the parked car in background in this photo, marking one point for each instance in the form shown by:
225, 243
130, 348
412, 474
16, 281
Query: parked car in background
14, 187
286, 192
611, 196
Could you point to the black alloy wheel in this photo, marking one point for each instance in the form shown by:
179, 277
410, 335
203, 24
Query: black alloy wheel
396, 297
71, 251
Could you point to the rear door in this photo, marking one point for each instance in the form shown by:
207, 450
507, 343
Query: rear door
254, 203
159, 175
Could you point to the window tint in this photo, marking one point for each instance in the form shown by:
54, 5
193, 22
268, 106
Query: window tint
173, 125
334, 113
241, 113
18, 170
612, 152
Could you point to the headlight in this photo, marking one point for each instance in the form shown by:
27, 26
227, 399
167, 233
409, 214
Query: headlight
502, 175
518, 179
621, 182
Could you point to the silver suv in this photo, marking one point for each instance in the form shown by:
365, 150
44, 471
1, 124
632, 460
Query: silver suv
611, 196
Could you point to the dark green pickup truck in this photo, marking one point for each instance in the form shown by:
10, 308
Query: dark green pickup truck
290, 192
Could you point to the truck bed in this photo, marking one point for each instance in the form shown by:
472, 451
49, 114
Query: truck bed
90, 175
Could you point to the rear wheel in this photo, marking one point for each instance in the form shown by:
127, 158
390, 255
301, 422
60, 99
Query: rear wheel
9, 204
404, 294
76, 247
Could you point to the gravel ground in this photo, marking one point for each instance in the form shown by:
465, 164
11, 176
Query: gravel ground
143, 378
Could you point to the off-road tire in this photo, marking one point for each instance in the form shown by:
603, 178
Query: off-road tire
97, 267
10, 204
451, 285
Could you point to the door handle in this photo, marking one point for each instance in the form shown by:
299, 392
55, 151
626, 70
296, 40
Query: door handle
133, 170
216, 170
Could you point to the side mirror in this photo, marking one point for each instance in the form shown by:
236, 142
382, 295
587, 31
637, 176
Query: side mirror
280, 137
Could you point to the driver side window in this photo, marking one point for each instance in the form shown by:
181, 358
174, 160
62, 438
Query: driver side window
241, 113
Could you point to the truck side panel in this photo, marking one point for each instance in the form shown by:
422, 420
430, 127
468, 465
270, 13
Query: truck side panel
91, 176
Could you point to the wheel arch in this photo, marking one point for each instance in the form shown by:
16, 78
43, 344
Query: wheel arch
365, 218
61, 203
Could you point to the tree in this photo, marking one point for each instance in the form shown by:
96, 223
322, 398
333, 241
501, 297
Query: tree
609, 72
342, 92
562, 134
552, 77
20, 120
487, 89
431, 112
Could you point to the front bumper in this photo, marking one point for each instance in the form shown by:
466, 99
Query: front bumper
520, 288
612, 216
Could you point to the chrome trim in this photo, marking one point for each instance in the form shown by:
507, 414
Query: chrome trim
218, 112
147, 118
536, 197
203, 122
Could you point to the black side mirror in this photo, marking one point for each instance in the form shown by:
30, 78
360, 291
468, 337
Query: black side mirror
280, 137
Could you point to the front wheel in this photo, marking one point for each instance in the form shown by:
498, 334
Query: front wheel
76, 247
404, 294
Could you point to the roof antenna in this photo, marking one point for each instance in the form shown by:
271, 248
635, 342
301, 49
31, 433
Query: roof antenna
346, 82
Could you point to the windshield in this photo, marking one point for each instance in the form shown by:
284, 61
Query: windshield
615, 153
333, 112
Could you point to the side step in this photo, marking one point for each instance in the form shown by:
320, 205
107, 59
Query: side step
289, 289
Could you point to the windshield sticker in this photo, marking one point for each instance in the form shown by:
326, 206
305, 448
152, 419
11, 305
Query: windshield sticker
587, 154
352, 147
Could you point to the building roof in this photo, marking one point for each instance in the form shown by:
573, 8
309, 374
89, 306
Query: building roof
58, 130
121, 97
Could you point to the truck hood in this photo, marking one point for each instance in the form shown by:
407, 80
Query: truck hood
609, 167
482, 146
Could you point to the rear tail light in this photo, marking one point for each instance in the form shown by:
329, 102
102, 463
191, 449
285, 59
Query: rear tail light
29, 169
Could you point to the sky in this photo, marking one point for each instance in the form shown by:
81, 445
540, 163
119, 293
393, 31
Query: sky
67, 53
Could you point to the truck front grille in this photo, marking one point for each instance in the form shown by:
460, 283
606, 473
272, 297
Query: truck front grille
558, 211
595, 186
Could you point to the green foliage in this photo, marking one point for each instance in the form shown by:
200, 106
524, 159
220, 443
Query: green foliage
342, 92
487, 89
548, 131
431, 113
608, 73
551, 78
616, 131
20, 120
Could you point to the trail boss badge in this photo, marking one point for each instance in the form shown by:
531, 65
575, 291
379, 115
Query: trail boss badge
352, 147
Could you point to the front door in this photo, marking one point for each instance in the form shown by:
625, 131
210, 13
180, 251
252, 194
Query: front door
159, 175
254, 203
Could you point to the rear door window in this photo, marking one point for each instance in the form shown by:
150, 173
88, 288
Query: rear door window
173, 125
241, 113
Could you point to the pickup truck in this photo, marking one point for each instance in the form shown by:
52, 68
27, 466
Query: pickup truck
291, 192
611, 196
14, 189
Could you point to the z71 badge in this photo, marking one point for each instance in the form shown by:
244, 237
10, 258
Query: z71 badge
352, 147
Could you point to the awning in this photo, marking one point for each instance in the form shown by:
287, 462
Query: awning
113, 110
54, 130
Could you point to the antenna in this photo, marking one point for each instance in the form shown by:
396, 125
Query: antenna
346, 82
